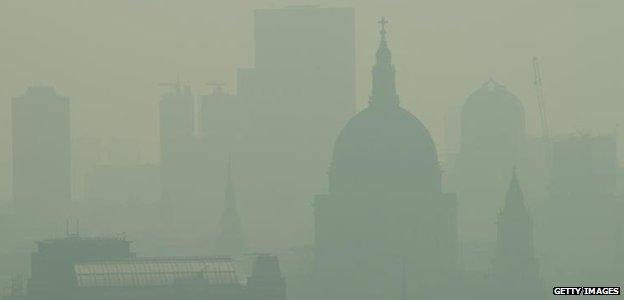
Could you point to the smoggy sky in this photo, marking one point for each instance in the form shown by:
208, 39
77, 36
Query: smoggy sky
108, 56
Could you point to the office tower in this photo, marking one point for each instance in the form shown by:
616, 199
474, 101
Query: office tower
492, 135
41, 153
297, 97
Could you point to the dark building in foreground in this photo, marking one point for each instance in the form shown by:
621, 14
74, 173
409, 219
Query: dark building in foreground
105, 269
41, 152
385, 229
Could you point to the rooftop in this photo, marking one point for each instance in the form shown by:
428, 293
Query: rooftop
145, 272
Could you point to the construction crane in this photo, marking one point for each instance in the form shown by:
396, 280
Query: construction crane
539, 90
217, 87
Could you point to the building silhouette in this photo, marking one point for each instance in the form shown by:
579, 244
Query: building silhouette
221, 121
584, 204
266, 281
385, 228
492, 134
41, 153
231, 240
52, 265
104, 268
516, 272
296, 97
179, 152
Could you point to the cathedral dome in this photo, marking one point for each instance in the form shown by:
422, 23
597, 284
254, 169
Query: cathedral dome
379, 145
384, 147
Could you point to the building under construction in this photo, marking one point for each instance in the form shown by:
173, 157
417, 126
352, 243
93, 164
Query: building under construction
104, 268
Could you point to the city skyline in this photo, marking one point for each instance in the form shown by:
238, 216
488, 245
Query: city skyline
339, 151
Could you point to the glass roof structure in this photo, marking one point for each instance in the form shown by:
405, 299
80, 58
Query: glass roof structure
155, 272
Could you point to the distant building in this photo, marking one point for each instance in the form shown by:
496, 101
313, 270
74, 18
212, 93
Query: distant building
583, 202
179, 152
385, 229
221, 118
41, 153
516, 272
584, 166
77, 268
298, 95
492, 135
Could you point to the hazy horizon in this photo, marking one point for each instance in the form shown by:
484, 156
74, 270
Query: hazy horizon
108, 57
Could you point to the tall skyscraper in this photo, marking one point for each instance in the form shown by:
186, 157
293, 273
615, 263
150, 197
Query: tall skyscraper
516, 273
297, 97
178, 151
41, 152
492, 134
385, 229
222, 119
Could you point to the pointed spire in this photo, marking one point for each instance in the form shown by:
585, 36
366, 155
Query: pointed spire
383, 52
515, 265
384, 88
515, 197
383, 42
231, 240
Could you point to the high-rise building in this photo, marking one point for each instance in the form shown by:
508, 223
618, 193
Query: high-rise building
41, 152
492, 135
385, 229
297, 97
221, 120
516, 272
180, 170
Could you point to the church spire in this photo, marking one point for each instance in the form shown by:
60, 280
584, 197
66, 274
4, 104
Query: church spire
231, 241
230, 198
515, 266
514, 193
384, 88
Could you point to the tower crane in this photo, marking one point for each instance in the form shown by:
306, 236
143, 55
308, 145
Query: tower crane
539, 90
